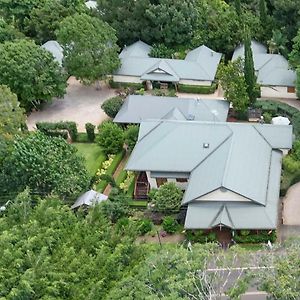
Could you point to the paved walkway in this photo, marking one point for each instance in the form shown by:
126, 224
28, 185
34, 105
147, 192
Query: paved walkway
291, 206
81, 104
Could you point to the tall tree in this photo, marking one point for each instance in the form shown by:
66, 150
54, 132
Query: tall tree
46, 165
298, 82
127, 17
9, 32
11, 119
238, 7
262, 11
249, 70
233, 82
163, 14
90, 49
31, 73
278, 42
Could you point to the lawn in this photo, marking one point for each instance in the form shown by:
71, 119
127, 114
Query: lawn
93, 155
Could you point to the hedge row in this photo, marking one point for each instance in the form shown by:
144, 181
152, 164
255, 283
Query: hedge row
59, 129
118, 85
247, 237
197, 89
111, 170
200, 236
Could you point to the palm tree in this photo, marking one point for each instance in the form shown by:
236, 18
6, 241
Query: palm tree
277, 44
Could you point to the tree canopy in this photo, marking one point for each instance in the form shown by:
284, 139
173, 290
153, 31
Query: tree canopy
90, 49
31, 73
46, 165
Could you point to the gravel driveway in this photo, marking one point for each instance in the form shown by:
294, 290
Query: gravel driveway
80, 104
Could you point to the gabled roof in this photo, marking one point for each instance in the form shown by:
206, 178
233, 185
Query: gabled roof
272, 69
240, 158
55, 49
91, 4
89, 198
139, 108
200, 64
137, 49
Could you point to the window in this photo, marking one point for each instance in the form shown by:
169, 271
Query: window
161, 181
291, 89
181, 180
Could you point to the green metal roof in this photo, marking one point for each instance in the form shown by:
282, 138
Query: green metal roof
240, 158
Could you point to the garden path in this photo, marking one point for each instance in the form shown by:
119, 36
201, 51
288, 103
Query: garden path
117, 173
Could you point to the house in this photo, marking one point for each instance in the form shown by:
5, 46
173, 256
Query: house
230, 172
139, 108
198, 68
55, 49
272, 71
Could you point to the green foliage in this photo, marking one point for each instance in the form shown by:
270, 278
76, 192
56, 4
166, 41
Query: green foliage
277, 44
199, 236
144, 226
46, 165
44, 19
8, 32
161, 51
197, 89
90, 131
118, 85
31, 73
232, 79
48, 252
89, 59
110, 137
112, 106
298, 82
59, 129
131, 136
267, 117
164, 92
117, 206
294, 56
249, 72
169, 224
238, 7
167, 198
261, 237
111, 170
219, 26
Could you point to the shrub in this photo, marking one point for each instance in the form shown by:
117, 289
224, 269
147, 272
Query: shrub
140, 91
112, 106
196, 236
197, 89
111, 138
167, 198
144, 226
262, 237
212, 237
245, 232
90, 131
170, 225
267, 117
118, 85
59, 129
131, 136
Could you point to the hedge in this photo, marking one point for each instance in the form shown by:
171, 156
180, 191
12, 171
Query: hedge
58, 128
122, 176
245, 236
118, 85
111, 170
197, 89
200, 236
130, 191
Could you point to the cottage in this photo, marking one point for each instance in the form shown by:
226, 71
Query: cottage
198, 68
230, 172
140, 108
272, 71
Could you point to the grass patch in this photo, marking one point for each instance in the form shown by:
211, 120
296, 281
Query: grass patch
93, 154
82, 137
111, 170
130, 191
138, 204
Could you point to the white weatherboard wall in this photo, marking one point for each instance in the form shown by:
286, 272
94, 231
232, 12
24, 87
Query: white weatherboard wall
195, 82
223, 195
276, 92
127, 79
